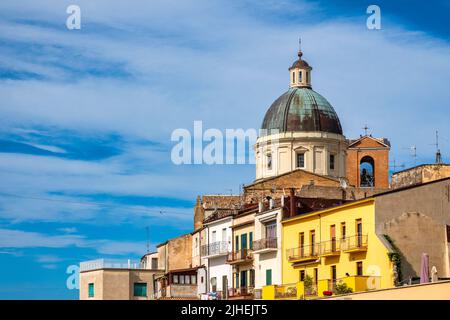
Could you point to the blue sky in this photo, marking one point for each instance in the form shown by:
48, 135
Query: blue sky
86, 115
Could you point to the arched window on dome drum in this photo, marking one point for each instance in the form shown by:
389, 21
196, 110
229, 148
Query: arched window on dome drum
307, 77
300, 76
367, 172
293, 77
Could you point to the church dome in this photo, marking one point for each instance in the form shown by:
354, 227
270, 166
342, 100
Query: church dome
301, 109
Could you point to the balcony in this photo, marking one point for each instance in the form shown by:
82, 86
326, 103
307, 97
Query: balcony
241, 293
330, 248
215, 249
240, 256
356, 243
265, 245
303, 254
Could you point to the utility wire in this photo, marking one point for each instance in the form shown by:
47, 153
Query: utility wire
90, 203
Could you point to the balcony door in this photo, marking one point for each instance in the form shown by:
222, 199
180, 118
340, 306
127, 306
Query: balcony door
244, 279
271, 230
243, 246
359, 232
333, 238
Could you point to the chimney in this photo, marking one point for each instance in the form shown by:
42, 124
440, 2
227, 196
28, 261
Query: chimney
260, 206
292, 203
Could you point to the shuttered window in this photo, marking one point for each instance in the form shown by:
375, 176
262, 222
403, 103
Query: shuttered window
91, 290
140, 289
268, 277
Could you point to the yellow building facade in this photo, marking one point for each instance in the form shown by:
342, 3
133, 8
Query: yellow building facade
328, 250
241, 257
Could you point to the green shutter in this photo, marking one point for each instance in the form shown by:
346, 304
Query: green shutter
91, 290
140, 289
237, 280
251, 240
268, 277
237, 244
244, 241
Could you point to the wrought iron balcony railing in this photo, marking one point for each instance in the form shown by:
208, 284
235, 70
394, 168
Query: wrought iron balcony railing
215, 248
331, 247
240, 292
240, 256
286, 291
354, 243
304, 252
266, 243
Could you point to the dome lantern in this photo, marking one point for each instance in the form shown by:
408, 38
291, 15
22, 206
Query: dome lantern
300, 73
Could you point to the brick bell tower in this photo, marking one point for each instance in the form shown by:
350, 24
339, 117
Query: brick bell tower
368, 162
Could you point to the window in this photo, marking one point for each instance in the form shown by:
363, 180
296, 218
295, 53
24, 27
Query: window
359, 268
181, 279
300, 76
300, 160
213, 236
140, 289
251, 240
268, 277
187, 279
90, 290
201, 279
332, 161
213, 284
343, 231
154, 263
224, 234
302, 275
316, 275
175, 279
269, 161
193, 279
307, 77
237, 243
293, 77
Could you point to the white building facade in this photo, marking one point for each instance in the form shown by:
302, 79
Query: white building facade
215, 251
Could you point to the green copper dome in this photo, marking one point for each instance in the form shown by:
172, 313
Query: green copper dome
301, 109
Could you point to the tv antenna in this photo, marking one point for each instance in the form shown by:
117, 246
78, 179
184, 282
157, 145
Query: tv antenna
147, 232
413, 150
395, 166
438, 151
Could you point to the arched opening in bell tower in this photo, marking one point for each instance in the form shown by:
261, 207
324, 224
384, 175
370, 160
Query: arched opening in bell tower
367, 172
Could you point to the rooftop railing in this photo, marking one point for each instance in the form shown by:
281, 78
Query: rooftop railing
110, 264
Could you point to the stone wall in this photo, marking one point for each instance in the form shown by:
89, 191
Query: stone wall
416, 219
420, 174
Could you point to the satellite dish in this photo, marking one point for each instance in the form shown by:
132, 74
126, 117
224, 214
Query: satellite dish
343, 183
